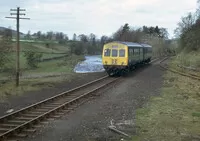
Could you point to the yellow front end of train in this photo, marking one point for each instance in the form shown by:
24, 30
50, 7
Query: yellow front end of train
115, 57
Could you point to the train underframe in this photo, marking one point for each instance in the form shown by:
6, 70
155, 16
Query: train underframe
114, 70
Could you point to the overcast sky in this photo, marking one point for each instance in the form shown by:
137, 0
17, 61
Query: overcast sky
101, 17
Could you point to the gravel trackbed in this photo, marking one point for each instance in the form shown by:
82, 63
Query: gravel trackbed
116, 105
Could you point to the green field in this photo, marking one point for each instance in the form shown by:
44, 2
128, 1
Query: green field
48, 52
45, 74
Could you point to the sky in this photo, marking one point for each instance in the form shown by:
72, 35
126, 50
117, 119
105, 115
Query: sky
101, 17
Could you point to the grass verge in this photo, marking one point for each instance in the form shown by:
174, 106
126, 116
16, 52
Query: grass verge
191, 59
175, 115
54, 67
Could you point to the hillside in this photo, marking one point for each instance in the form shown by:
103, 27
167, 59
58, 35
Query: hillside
14, 32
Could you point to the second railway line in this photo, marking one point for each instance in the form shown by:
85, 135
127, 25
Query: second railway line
166, 67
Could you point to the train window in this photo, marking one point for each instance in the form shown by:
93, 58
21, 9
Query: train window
121, 53
136, 51
141, 50
107, 52
145, 50
114, 52
131, 52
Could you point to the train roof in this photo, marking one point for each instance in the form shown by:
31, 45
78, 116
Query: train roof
132, 44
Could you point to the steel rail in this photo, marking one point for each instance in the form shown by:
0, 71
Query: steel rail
48, 99
51, 108
176, 71
46, 114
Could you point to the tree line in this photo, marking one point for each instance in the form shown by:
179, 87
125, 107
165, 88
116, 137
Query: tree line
89, 44
50, 35
156, 36
188, 31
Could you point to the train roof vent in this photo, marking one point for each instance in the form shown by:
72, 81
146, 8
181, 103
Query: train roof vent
132, 44
146, 45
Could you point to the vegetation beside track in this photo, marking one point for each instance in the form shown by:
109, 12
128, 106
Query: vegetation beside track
46, 75
190, 60
175, 115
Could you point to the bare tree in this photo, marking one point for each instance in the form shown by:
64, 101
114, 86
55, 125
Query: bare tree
104, 39
92, 39
28, 35
185, 24
83, 38
74, 37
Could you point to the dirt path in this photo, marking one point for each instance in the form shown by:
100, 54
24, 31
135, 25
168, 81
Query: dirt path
90, 121
18, 102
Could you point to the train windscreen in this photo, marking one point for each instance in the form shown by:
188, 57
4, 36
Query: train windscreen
107, 52
114, 52
121, 53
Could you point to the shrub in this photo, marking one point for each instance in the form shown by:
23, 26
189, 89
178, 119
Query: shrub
32, 59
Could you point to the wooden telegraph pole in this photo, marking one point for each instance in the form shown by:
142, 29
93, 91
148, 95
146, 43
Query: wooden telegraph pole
18, 10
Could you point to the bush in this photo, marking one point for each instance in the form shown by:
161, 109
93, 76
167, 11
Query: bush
32, 59
5, 52
191, 59
77, 48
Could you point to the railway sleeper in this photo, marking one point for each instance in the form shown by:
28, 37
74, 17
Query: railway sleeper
21, 135
28, 115
60, 113
55, 116
41, 110
8, 125
53, 105
73, 95
44, 122
48, 107
16, 121
4, 129
68, 99
51, 119
36, 113
37, 126
29, 130
57, 103
12, 140
24, 118
66, 110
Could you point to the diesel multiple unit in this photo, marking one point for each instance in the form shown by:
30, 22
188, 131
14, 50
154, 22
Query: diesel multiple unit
119, 57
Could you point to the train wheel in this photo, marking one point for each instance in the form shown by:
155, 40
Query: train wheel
125, 72
111, 74
132, 68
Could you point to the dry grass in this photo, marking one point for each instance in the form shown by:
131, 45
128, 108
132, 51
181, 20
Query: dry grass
175, 115
188, 60
26, 85
55, 67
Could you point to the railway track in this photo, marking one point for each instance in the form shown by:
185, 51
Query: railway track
164, 66
20, 123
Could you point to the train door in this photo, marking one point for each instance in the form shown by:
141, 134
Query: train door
136, 54
141, 54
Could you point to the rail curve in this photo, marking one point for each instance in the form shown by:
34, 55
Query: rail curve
193, 76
